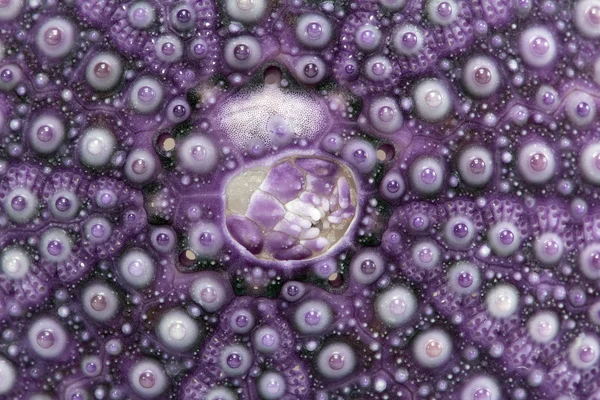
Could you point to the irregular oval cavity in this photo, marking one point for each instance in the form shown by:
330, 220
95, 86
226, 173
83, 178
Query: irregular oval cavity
295, 209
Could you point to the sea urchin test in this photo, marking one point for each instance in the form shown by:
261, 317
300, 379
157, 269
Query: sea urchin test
300, 199
294, 209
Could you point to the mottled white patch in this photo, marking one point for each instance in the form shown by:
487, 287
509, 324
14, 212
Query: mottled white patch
245, 116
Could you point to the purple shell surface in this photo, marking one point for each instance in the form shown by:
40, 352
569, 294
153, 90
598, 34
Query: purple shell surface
300, 199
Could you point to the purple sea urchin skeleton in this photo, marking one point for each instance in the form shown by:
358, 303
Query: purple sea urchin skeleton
299, 199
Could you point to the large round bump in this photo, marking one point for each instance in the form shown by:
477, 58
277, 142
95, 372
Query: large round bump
589, 162
198, 154
537, 47
104, 71
47, 338
148, 379
313, 31
248, 11
46, 134
586, 17
475, 166
20, 205
313, 317
432, 348
100, 302
96, 147
427, 175
206, 239
235, 360
137, 268
536, 163
8, 376
56, 37
177, 330
336, 361
502, 301
242, 53
55, 245
385, 115
15, 263
210, 292
366, 267
396, 306
432, 100
145, 95
481, 76
584, 351
481, 387
9, 10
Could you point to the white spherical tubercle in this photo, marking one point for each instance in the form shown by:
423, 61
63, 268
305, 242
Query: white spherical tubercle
8, 376
475, 166
137, 268
396, 306
148, 379
589, 162
15, 263
586, 17
96, 147
47, 338
198, 154
502, 301
177, 330
100, 302
538, 47
248, 11
104, 71
11, 9
543, 326
56, 37
432, 100
432, 348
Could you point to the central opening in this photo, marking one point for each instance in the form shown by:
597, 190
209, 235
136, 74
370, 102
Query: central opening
297, 208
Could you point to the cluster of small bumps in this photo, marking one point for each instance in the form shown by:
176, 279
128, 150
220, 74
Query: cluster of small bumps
300, 199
